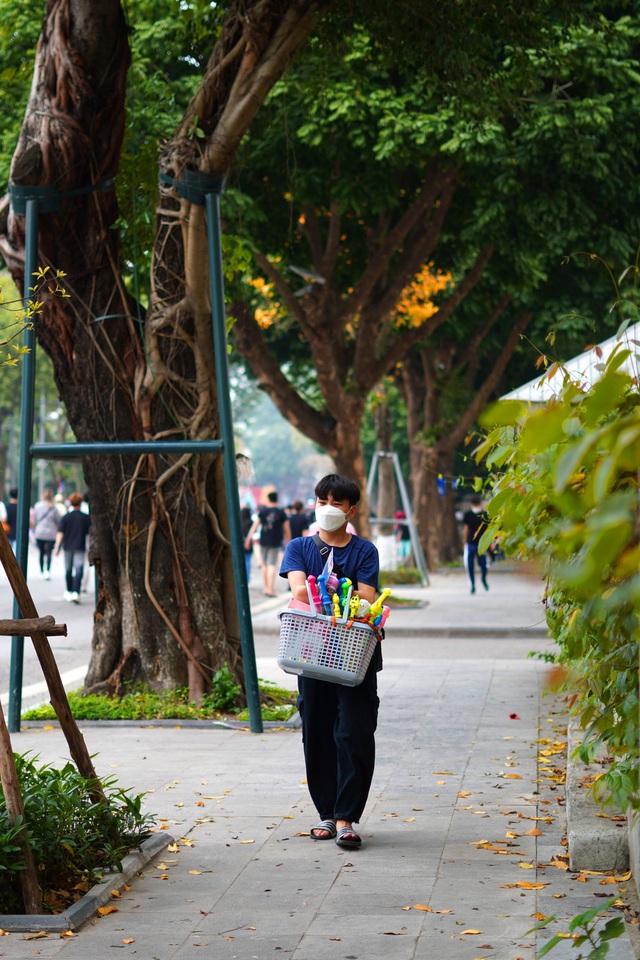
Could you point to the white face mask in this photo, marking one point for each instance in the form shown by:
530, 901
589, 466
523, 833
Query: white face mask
330, 518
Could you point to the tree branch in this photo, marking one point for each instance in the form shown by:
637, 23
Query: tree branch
283, 289
466, 420
250, 342
476, 341
401, 346
332, 248
258, 72
312, 233
381, 257
418, 253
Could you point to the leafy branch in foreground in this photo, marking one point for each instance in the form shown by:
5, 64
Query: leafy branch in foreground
46, 284
566, 497
594, 934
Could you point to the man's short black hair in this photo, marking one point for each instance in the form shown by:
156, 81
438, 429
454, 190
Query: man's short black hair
339, 487
13, 493
475, 500
272, 496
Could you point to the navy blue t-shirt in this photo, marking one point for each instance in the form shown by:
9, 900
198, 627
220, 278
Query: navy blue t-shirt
358, 560
75, 527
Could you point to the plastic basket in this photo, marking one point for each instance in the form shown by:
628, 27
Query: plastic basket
312, 646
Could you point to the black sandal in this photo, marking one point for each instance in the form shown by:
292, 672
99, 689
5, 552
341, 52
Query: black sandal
347, 837
329, 826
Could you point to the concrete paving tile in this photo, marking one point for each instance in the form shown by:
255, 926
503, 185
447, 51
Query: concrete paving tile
409, 923
237, 947
395, 945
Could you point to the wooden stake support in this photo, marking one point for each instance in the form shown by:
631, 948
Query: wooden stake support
24, 628
37, 628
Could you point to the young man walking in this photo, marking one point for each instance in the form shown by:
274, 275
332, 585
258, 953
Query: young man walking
338, 722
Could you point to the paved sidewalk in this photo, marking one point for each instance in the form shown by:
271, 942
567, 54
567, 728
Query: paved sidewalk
465, 818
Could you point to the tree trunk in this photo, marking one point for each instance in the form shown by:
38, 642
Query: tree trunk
450, 546
165, 611
348, 457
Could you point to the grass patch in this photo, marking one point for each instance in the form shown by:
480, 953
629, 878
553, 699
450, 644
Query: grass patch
140, 703
393, 601
401, 575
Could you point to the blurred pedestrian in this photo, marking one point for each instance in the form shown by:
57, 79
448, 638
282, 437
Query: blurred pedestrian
298, 520
403, 537
274, 533
12, 516
474, 523
72, 537
44, 520
246, 521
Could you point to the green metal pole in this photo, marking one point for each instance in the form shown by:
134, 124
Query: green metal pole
219, 323
24, 477
69, 451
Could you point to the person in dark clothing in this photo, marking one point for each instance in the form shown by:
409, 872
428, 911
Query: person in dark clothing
72, 537
12, 516
274, 531
338, 722
245, 525
298, 520
474, 522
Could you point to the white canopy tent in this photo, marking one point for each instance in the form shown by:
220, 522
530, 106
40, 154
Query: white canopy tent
586, 366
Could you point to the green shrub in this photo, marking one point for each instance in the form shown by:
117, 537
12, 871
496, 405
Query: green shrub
401, 575
140, 703
567, 498
74, 837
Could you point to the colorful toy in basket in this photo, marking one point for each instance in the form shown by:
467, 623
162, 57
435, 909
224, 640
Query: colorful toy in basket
333, 637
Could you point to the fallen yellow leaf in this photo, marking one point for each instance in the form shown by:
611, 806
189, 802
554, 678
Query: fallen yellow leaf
129, 940
41, 935
470, 932
524, 885
67, 933
246, 841
173, 848
105, 911
534, 832
195, 873
464, 793
116, 894
525, 866
511, 776
422, 906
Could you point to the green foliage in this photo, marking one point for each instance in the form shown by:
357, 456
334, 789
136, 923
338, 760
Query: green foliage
140, 703
401, 575
74, 837
567, 497
585, 930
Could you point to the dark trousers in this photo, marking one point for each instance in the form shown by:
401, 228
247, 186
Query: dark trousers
470, 556
46, 548
73, 566
338, 727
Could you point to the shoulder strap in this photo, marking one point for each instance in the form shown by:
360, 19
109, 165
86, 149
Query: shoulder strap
324, 553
